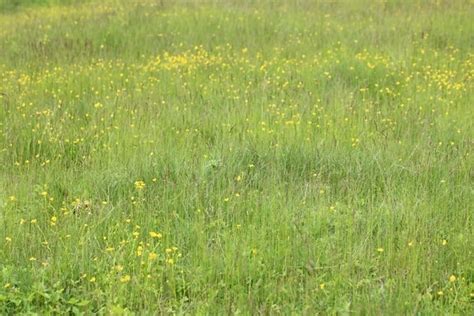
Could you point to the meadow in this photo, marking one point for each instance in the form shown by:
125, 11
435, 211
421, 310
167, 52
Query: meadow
246, 157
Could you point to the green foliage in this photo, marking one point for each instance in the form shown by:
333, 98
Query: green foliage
225, 157
11, 5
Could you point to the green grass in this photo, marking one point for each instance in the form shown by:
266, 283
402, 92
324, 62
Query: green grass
12, 5
225, 157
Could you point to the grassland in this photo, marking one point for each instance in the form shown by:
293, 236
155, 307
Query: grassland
226, 157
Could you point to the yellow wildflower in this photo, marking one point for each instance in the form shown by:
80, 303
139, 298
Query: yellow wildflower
139, 185
152, 256
139, 251
155, 235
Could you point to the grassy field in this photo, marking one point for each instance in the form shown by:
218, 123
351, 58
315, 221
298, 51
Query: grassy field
236, 157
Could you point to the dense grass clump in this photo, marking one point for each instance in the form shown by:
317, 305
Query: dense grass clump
225, 157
